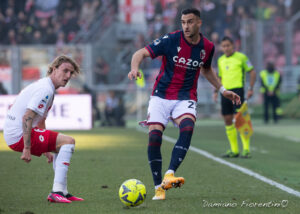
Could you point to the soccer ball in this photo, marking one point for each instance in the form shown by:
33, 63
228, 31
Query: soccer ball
132, 192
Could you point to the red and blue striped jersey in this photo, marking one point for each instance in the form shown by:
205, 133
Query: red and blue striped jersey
181, 64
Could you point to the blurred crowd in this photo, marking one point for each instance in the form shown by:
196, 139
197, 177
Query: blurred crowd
224, 18
220, 17
59, 21
44, 21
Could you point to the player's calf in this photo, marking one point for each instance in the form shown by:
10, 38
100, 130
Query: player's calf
154, 155
182, 145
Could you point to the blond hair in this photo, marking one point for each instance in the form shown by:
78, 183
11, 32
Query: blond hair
60, 60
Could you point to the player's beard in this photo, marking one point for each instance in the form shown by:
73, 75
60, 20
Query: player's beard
192, 34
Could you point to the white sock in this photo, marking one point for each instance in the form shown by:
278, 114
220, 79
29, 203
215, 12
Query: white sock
61, 168
54, 161
170, 171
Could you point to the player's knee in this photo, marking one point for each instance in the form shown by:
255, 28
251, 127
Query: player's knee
71, 140
187, 125
68, 140
155, 138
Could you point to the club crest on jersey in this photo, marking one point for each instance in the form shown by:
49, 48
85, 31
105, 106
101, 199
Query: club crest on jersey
165, 37
202, 54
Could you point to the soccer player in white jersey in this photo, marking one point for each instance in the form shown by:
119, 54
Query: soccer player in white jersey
25, 130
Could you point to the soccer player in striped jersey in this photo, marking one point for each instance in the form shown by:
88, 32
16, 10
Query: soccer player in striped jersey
184, 53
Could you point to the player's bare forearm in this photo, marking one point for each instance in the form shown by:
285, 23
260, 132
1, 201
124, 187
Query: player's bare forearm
211, 76
252, 78
138, 57
27, 126
136, 60
252, 82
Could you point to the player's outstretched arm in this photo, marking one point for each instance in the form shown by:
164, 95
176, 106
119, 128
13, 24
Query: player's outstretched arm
136, 60
211, 76
252, 82
27, 126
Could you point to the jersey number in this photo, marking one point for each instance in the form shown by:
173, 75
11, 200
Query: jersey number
192, 104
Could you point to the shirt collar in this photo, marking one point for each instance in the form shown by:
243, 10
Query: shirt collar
51, 83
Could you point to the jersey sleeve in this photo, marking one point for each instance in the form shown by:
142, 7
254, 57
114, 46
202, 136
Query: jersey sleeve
247, 65
159, 46
39, 102
207, 63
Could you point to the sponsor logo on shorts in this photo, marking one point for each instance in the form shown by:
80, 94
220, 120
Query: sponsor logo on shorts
41, 106
41, 138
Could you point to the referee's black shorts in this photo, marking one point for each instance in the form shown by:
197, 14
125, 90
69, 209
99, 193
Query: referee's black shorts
226, 104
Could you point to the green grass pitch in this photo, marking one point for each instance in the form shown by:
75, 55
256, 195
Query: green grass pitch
106, 157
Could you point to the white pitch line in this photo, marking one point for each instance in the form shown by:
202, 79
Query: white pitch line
236, 167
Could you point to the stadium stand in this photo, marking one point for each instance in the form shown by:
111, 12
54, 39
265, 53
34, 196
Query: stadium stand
65, 26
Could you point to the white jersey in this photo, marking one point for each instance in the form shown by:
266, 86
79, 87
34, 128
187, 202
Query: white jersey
38, 97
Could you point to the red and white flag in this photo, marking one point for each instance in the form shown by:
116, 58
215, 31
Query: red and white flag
132, 11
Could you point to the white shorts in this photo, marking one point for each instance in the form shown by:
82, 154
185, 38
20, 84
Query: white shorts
160, 110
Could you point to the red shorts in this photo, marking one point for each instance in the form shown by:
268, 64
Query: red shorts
42, 141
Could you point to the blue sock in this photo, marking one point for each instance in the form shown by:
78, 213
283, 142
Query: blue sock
182, 145
154, 155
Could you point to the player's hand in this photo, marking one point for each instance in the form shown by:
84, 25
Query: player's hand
26, 155
233, 97
49, 156
249, 94
134, 74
